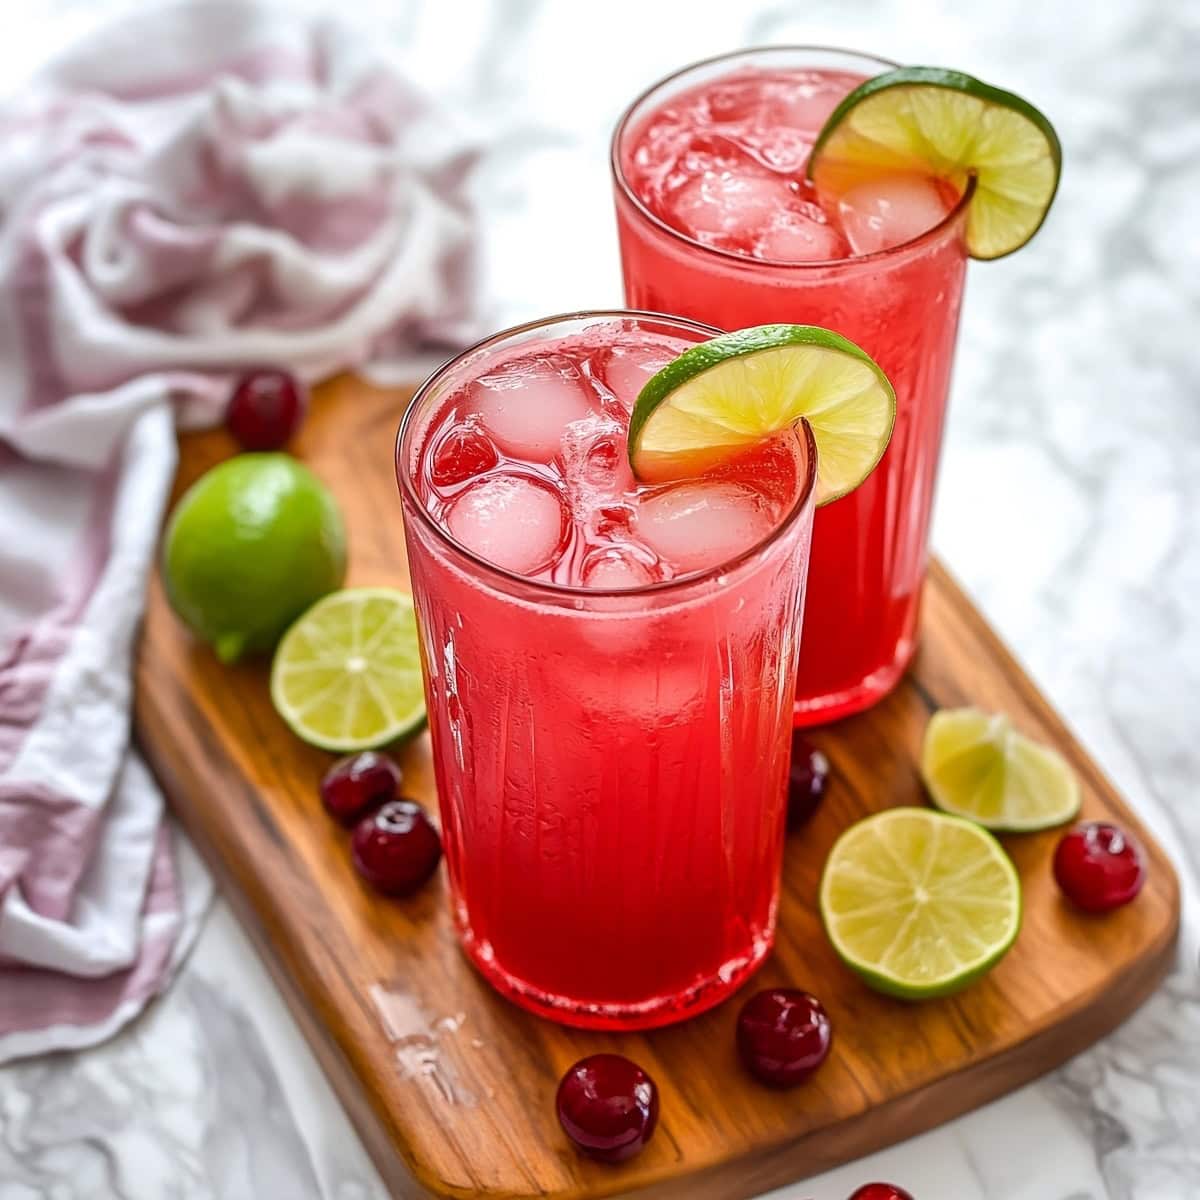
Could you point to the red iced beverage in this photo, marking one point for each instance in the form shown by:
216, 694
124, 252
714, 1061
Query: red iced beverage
609, 670
717, 222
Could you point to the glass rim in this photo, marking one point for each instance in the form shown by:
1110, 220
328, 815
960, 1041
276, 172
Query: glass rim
408, 491
618, 174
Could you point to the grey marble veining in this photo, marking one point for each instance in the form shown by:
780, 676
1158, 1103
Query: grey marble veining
197, 1099
1068, 505
132, 1121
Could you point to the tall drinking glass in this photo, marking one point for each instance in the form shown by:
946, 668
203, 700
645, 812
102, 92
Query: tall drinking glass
681, 254
610, 760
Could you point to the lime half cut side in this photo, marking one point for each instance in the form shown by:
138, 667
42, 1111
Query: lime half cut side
723, 395
919, 904
976, 765
347, 674
950, 126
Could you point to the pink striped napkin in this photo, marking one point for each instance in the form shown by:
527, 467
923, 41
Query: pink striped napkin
197, 190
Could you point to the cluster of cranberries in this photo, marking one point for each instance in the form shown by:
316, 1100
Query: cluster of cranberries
394, 846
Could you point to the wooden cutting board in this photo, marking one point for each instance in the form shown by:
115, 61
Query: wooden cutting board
451, 1087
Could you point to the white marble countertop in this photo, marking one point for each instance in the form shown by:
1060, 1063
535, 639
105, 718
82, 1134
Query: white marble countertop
1068, 506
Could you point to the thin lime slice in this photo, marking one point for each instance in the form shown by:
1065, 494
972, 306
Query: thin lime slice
919, 904
724, 395
976, 765
347, 674
950, 126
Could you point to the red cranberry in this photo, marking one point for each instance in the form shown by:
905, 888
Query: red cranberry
396, 848
358, 782
1099, 866
881, 1191
783, 1036
808, 777
265, 409
607, 1106
462, 454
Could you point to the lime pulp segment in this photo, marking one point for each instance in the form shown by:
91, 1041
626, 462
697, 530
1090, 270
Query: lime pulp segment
726, 394
347, 674
954, 127
919, 904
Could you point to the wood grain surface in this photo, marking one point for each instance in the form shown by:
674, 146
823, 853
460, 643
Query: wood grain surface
450, 1086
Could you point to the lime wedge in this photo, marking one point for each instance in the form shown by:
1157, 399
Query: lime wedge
724, 395
347, 674
949, 126
919, 904
976, 765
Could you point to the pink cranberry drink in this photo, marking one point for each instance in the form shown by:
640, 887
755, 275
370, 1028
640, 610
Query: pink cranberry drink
718, 222
609, 671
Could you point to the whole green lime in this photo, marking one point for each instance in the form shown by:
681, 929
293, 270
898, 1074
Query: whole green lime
251, 545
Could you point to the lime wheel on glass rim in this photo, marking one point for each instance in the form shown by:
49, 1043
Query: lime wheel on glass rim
721, 396
949, 126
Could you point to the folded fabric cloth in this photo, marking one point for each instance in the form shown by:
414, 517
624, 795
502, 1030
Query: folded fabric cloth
192, 192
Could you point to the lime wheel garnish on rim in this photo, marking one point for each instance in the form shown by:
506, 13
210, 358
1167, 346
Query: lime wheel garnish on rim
722, 396
949, 126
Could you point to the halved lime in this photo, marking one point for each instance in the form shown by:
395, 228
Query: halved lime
949, 126
976, 765
919, 904
723, 395
347, 674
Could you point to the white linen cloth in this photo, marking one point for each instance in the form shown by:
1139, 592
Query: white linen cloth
194, 191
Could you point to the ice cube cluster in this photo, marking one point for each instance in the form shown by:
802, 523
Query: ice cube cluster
724, 163
528, 468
